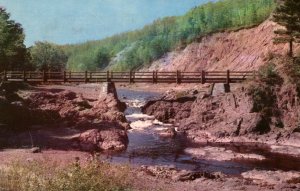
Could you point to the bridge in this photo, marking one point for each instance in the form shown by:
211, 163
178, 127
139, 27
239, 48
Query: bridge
178, 77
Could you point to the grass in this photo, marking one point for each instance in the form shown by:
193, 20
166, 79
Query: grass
38, 176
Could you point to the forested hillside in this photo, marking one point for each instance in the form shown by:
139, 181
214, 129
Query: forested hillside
132, 50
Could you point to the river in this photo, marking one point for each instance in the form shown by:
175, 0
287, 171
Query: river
147, 147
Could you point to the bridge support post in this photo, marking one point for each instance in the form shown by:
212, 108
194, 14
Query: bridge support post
130, 77
5, 76
24, 76
153, 77
107, 76
226, 88
65, 76
203, 80
227, 77
178, 77
227, 85
86, 80
108, 88
49, 75
44, 76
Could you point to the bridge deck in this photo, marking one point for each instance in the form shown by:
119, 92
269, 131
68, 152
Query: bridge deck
129, 77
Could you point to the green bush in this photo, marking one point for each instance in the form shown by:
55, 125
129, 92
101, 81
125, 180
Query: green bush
263, 98
269, 74
291, 71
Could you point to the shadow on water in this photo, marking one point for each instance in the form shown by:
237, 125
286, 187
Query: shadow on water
146, 147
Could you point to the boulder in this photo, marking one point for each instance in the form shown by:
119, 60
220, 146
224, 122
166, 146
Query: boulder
103, 139
169, 110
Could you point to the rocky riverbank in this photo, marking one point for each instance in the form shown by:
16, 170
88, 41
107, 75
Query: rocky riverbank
59, 140
63, 117
254, 112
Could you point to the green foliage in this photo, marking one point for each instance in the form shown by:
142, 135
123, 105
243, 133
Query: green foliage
262, 97
13, 53
35, 176
141, 47
287, 14
47, 56
263, 103
291, 70
102, 58
269, 75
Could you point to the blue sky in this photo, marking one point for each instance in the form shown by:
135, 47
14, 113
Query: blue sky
73, 21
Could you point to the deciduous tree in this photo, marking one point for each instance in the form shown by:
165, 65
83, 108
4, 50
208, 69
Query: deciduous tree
47, 56
13, 52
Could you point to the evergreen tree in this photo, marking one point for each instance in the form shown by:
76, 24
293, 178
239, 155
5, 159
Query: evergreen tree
287, 14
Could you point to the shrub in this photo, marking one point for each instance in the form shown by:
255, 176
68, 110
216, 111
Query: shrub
75, 177
269, 74
291, 71
262, 97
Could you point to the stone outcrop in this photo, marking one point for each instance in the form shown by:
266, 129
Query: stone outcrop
254, 112
99, 124
169, 110
76, 109
105, 138
225, 115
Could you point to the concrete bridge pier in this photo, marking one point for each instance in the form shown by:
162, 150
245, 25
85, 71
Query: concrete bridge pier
226, 88
108, 94
218, 88
108, 88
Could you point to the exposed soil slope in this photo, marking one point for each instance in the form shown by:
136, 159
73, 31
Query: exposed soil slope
246, 49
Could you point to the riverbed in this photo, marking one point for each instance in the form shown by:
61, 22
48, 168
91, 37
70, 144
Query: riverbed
148, 147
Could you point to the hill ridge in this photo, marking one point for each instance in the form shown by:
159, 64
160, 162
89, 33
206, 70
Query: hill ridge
245, 49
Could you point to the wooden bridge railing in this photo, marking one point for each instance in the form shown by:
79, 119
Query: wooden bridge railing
130, 77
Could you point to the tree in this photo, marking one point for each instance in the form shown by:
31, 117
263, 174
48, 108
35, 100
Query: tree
102, 58
141, 47
47, 56
13, 52
287, 14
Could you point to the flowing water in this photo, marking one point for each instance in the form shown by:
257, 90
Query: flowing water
147, 147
